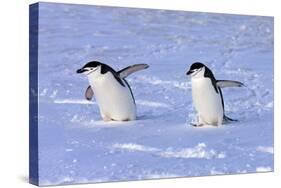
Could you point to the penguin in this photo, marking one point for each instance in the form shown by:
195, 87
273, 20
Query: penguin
112, 92
207, 95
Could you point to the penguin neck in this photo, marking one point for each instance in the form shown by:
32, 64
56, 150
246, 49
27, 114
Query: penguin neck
94, 77
199, 75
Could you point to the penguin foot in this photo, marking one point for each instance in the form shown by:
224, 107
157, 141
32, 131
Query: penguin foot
196, 125
105, 118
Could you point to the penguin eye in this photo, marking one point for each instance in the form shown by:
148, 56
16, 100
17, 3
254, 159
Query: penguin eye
93, 68
195, 70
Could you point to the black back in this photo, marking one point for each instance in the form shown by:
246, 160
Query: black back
129, 89
208, 73
221, 98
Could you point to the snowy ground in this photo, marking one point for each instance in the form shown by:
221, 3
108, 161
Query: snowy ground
76, 146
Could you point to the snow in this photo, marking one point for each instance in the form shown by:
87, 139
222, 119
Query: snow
198, 151
76, 146
134, 147
71, 101
264, 169
265, 149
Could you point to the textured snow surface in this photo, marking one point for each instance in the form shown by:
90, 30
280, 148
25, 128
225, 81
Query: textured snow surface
76, 146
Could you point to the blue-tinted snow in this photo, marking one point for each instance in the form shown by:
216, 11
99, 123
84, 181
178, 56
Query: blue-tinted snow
76, 146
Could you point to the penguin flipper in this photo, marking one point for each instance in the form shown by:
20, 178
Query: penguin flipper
131, 69
229, 83
89, 93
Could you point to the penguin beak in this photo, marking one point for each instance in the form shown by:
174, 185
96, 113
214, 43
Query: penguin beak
189, 72
79, 71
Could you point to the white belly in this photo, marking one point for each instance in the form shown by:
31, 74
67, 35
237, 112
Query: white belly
206, 101
115, 101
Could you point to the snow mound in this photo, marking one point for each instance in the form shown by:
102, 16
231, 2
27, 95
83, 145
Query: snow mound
152, 104
72, 101
198, 151
265, 149
264, 169
134, 147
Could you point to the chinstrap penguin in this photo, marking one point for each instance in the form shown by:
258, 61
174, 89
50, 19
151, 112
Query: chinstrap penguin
207, 95
112, 92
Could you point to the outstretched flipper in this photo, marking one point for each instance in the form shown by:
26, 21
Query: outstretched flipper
89, 93
131, 69
229, 83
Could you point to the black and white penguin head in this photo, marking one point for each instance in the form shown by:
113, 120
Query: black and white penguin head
90, 68
196, 70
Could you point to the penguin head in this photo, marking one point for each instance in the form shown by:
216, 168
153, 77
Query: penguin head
196, 70
90, 68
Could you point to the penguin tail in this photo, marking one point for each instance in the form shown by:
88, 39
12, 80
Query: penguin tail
227, 119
